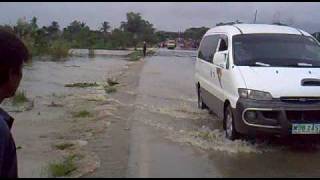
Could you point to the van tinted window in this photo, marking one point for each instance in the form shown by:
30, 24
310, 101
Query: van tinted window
208, 47
286, 50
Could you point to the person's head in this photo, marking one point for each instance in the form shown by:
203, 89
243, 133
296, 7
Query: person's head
13, 53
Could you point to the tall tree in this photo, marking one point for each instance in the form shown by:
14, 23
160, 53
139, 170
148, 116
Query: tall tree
105, 28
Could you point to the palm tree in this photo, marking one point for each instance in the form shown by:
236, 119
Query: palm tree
105, 28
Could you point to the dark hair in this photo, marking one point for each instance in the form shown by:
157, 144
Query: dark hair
13, 53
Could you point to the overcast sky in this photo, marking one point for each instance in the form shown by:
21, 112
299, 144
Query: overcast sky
170, 16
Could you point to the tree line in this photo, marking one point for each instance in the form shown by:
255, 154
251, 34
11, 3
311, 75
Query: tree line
56, 41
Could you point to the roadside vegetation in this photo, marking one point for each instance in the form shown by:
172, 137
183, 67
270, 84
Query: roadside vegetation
110, 89
112, 82
52, 40
63, 168
19, 98
82, 114
82, 85
63, 146
135, 56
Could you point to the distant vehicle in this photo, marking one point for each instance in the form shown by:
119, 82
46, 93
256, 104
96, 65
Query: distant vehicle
260, 79
171, 44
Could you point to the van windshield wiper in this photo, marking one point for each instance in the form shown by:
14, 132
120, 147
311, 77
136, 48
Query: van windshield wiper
304, 64
258, 64
261, 64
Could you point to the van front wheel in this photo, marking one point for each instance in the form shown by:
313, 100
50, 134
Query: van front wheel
230, 130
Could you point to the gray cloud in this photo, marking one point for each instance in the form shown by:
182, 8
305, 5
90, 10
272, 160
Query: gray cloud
171, 16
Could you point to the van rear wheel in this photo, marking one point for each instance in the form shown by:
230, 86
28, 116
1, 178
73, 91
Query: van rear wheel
230, 130
201, 104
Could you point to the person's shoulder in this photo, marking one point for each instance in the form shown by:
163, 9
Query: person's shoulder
4, 129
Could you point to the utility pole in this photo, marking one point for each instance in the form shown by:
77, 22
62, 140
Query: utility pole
255, 17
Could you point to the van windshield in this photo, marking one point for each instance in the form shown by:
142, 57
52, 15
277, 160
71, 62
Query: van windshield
284, 50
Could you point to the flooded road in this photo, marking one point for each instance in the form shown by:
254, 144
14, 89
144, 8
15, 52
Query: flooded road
171, 137
150, 127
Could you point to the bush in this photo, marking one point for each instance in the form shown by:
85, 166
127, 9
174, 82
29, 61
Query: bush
59, 49
135, 56
19, 98
63, 168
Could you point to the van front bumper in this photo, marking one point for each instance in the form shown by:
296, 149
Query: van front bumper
273, 117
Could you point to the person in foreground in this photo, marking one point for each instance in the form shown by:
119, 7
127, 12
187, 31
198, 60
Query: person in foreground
13, 53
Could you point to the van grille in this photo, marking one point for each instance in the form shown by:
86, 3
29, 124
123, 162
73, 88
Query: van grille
310, 115
300, 99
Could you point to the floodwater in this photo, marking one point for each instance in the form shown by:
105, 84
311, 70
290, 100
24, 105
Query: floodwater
168, 135
171, 137
50, 120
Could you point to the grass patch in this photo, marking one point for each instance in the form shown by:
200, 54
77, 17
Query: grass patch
135, 56
63, 146
82, 85
64, 168
82, 114
150, 52
112, 82
19, 98
110, 89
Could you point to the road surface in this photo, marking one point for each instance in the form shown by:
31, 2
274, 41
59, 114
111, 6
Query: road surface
168, 136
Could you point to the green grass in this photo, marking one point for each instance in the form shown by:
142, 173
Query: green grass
110, 89
19, 98
136, 55
63, 168
112, 82
82, 85
59, 49
150, 52
63, 146
82, 114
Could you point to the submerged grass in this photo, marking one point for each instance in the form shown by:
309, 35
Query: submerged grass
19, 98
63, 168
63, 146
110, 89
82, 114
112, 82
82, 85
135, 56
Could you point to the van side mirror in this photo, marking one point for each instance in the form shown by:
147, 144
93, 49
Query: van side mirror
220, 59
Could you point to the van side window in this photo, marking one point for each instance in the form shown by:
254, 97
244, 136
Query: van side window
208, 47
223, 43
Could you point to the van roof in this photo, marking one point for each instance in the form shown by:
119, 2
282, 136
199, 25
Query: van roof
254, 29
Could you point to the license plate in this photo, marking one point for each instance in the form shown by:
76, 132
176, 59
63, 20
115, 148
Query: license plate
305, 128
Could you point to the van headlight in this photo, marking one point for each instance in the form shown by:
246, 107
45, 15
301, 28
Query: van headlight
254, 94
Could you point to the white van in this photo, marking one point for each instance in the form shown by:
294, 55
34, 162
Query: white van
260, 79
